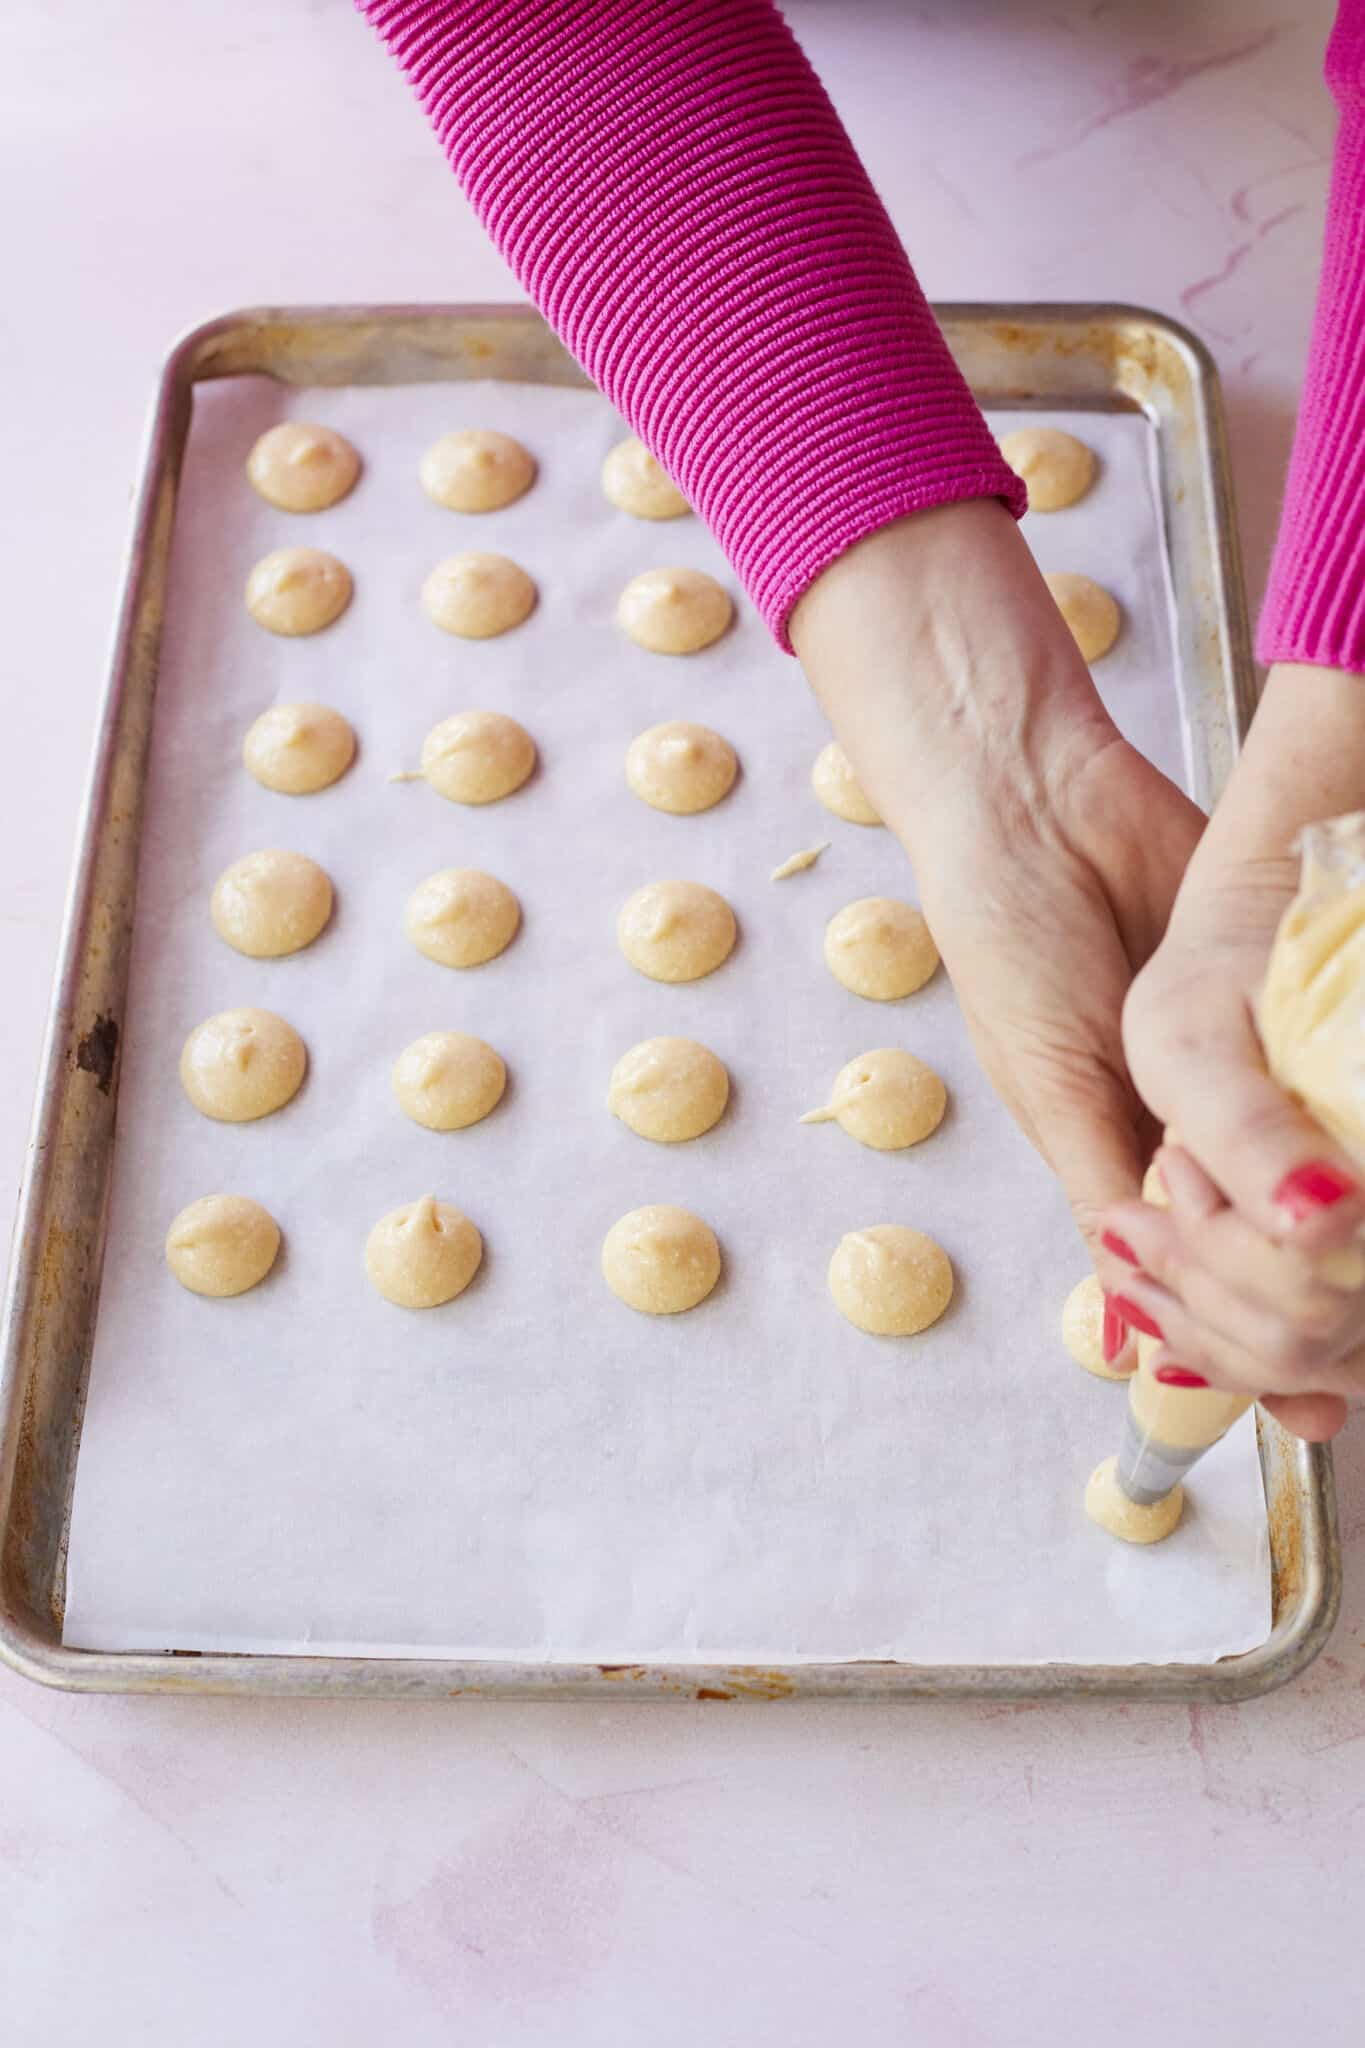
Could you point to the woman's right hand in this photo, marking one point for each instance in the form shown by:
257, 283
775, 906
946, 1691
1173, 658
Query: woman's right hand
1046, 849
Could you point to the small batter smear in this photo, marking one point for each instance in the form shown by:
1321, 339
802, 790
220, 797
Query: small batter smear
797, 863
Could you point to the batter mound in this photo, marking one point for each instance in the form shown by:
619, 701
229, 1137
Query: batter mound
889, 1280
446, 1080
669, 1089
242, 1064
461, 917
476, 757
680, 767
886, 1099
478, 596
1057, 468
1090, 612
476, 470
1107, 1504
880, 948
676, 931
839, 789
423, 1254
1083, 1328
298, 749
222, 1245
302, 468
674, 611
661, 1260
271, 903
636, 482
298, 590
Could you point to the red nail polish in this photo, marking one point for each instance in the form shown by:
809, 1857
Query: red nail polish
1120, 1248
1137, 1317
1115, 1334
1178, 1376
1312, 1187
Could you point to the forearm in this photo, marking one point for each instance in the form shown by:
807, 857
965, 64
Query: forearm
1304, 760
940, 658
673, 188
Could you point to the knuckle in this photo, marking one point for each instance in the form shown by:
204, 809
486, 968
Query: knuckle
1323, 1323
1288, 1354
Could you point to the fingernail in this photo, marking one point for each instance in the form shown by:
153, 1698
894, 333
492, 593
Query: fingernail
1178, 1376
1120, 1248
1137, 1317
1115, 1334
1312, 1187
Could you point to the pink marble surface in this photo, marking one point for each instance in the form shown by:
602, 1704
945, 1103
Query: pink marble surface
273, 1873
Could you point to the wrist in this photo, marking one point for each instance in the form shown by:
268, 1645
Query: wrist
937, 652
1303, 760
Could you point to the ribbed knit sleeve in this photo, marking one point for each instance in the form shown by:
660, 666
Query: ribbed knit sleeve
1314, 607
673, 188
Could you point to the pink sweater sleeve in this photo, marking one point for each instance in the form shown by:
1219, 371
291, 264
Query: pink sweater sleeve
671, 185
1315, 602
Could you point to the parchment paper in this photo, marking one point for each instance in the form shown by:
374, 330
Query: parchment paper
534, 1470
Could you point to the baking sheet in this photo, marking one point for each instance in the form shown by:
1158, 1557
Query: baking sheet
534, 1471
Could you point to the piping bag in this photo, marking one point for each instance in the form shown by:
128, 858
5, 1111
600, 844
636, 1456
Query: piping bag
1311, 1019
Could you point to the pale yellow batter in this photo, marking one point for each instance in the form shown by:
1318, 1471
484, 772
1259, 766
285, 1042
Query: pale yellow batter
886, 1099
271, 903
1090, 612
242, 1064
889, 1280
222, 1245
680, 767
423, 1254
676, 931
1311, 1013
661, 1260
839, 789
478, 596
880, 948
1107, 1504
446, 1080
798, 863
476, 470
299, 748
298, 590
636, 482
1057, 468
1083, 1328
669, 1089
461, 917
1191, 1418
302, 468
476, 757
674, 611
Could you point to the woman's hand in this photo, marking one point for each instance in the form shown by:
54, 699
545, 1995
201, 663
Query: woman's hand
1231, 1275
1043, 914
1047, 851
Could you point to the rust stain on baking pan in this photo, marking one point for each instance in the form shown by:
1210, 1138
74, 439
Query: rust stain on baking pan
749, 1685
1286, 1548
97, 1051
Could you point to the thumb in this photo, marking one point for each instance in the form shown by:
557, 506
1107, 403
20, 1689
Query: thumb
1097, 1146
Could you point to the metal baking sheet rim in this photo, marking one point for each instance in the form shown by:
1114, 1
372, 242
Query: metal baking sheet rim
1087, 356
